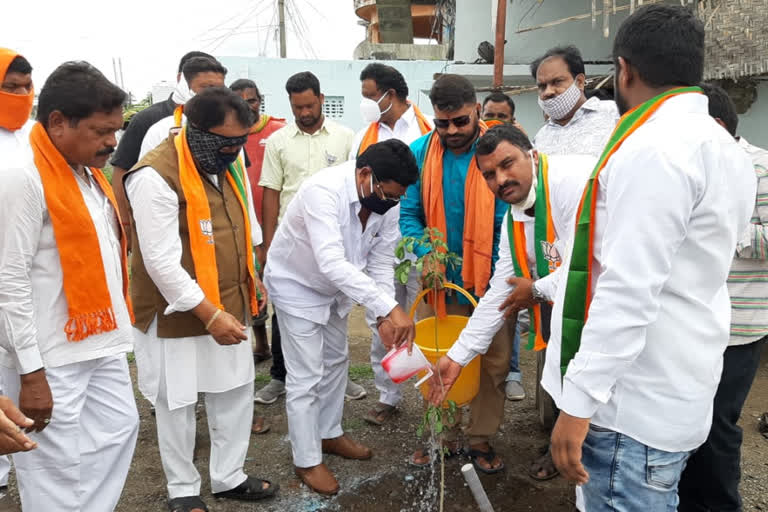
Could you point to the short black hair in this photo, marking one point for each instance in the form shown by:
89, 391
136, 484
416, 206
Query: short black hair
602, 94
197, 65
500, 97
209, 108
451, 92
301, 82
488, 143
391, 160
242, 84
570, 54
386, 77
664, 43
190, 55
77, 90
19, 65
721, 106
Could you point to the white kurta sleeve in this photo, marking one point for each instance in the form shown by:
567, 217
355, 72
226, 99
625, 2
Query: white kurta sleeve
625, 301
486, 320
156, 214
381, 259
21, 221
256, 235
320, 212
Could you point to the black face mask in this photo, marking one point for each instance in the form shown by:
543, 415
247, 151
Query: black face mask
206, 149
375, 203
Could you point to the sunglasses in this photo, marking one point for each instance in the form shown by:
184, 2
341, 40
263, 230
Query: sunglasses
458, 122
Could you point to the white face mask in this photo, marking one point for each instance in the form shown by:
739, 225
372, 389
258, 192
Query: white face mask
182, 93
530, 200
560, 106
369, 109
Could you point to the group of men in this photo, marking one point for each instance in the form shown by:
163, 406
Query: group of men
609, 238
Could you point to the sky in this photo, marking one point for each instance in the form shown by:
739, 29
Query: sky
150, 36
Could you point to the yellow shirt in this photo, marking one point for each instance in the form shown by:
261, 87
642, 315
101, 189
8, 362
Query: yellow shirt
291, 156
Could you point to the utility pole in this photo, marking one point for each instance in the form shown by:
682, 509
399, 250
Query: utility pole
498, 58
281, 14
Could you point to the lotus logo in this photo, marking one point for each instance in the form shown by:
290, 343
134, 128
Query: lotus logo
206, 226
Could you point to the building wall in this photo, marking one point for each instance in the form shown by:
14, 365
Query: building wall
339, 81
752, 125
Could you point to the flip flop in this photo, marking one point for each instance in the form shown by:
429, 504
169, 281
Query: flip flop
425, 453
250, 490
546, 464
380, 414
186, 504
489, 456
260, 425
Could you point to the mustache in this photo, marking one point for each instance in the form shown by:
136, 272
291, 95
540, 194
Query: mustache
106, 151
507, 184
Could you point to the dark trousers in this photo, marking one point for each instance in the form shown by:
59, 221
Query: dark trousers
710, 481
277, 371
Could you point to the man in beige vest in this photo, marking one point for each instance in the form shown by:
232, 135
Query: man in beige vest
195, 289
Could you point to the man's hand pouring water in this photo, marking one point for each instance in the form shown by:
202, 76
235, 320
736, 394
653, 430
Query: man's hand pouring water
397, 328
446, 372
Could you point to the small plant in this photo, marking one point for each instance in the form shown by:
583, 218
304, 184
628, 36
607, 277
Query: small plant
432, 265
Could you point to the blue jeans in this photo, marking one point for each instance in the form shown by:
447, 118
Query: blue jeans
628, 476
514, 361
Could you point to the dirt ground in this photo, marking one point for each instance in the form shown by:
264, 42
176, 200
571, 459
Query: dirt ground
387, 483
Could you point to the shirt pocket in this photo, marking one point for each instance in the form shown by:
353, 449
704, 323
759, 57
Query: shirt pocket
663, 469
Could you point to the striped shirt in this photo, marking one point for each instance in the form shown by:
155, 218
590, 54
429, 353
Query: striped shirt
748, 279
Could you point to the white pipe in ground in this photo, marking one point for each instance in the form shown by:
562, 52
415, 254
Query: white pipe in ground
473, 481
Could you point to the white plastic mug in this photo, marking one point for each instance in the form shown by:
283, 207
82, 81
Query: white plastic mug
400, 366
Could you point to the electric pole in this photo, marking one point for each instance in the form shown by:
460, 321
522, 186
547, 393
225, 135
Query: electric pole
281, 13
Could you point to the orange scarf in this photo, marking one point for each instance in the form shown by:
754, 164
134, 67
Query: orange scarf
200, 224
85, 283
479, 217
372, 134
14, 108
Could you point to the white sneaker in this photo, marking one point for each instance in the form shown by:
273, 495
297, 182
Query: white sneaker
270, 393
355, 391
514, 391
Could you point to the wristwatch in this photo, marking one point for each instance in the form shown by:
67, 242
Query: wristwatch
537, 295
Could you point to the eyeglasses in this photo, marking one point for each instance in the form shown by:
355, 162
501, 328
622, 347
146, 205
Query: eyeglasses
458, 122
384, 194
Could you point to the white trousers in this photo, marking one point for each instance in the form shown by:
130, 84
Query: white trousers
5, 461
389, 392
84, 454
229, 425
317, 360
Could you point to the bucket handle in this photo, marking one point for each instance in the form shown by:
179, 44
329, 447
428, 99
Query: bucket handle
424, 378
452, 286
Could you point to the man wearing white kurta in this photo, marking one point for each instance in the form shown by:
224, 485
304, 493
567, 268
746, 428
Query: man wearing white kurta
333, 248
388, 115
510, 167
185, 343
68, 373
673, 196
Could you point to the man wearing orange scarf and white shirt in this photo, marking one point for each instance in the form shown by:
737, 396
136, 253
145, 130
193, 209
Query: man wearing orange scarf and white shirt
195, 289
452, 196
63, 304
389, 115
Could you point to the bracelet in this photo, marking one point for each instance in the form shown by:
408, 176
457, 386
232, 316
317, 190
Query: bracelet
213, 319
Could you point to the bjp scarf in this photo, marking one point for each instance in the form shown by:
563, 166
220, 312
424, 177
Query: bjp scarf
578, 291
201, 226
85, 282
479, 208
544, 235
372, 134
14, 108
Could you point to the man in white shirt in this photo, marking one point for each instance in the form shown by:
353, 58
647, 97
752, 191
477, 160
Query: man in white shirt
388, 115
63, 311
575, 125
711, 477
199, 73
334, 248
293, 154
16, 98
641, 315
195, 288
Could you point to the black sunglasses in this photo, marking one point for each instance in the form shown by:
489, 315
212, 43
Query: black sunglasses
458, 122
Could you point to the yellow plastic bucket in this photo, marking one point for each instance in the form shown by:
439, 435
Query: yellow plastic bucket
448, 329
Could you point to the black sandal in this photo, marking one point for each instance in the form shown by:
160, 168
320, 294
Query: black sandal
250, 490
489, 456
186, 504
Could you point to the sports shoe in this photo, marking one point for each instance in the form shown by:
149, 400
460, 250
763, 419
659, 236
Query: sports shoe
514, 391
355, 391
270, 393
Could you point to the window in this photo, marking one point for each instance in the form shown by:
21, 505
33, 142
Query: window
334, 107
